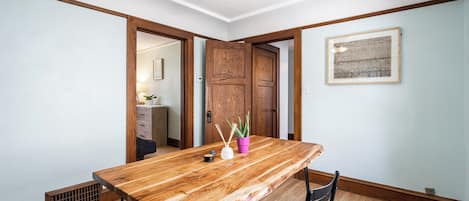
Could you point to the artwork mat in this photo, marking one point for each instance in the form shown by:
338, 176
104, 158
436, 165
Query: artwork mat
158, 69
395, 34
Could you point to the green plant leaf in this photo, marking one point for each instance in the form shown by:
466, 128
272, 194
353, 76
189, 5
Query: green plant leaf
240, 122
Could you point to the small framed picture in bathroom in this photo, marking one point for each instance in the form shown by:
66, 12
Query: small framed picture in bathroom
158, 69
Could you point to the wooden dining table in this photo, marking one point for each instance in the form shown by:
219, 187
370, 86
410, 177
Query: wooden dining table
183, 175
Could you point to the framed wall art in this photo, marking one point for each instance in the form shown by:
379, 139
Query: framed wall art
158, 69
364, 58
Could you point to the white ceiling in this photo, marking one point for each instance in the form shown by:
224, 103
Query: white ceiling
232, 10
147, 41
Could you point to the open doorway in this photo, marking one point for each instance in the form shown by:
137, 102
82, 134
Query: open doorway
294, 38
285, 88
135, 25
272, 89
158, 87
241, 78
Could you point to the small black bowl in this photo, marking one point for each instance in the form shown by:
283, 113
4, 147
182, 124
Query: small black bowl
208, 157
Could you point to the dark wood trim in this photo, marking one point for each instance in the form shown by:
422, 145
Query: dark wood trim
284, 34
160, 29
187, 140
96, 8
131, 151
297, 105
370, 189
382, 12
187, 65
172, 142
270, 37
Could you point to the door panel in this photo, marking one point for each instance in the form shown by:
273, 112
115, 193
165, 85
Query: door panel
264, 116
227, 64
265, 90
228, 87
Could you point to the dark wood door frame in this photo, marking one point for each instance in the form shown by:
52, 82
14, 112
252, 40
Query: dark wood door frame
296, 36
187, 73
277, 74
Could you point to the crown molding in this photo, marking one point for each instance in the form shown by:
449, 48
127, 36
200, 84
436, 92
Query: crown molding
239, 17
265, 10
202, 10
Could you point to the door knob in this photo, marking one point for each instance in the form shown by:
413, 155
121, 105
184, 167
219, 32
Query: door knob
209, 116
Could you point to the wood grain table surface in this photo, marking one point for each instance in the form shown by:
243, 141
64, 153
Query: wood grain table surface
183, 175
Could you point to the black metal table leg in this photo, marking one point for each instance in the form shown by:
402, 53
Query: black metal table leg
308, 190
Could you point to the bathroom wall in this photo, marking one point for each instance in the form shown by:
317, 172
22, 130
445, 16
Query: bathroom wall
169, 89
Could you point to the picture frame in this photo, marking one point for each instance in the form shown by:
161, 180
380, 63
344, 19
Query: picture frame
371, 57
158, 69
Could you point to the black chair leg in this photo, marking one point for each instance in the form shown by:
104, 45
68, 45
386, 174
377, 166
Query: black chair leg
308, 191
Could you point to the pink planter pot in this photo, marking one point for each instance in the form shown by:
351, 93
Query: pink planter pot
243, 145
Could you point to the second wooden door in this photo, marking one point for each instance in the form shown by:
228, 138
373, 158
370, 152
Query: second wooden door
265, 89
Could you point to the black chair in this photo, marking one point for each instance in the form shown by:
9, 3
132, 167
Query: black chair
145, 147
324, 193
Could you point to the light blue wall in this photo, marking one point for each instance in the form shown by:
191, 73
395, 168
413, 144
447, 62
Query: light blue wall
466, 90
199, 91
62, 83
408, 135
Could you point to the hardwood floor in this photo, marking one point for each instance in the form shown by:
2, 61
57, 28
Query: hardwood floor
294, 190
162, 150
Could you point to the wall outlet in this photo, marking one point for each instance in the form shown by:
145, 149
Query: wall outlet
430, 191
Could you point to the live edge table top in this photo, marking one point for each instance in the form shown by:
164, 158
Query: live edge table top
183, 175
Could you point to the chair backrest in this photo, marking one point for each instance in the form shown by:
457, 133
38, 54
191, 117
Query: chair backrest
324, 193
88, 191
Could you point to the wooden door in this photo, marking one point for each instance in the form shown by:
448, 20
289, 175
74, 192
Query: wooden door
265, 90
228, 86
